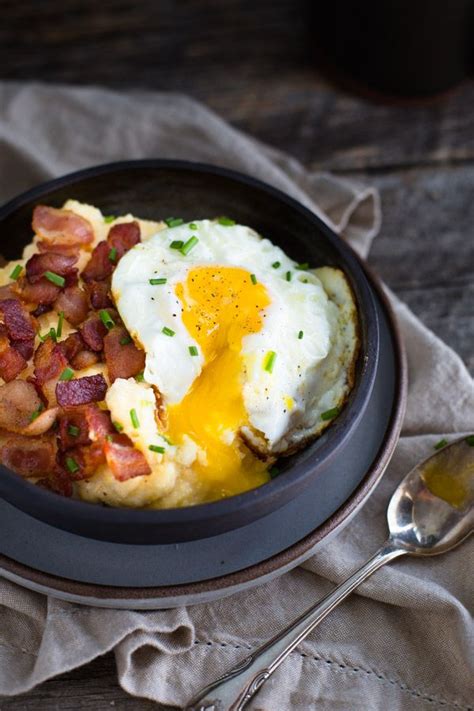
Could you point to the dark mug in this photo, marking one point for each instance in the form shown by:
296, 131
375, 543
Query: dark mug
411, 48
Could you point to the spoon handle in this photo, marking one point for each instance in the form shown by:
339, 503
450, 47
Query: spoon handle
233, 690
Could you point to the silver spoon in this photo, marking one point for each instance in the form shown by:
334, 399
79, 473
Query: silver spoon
431, 512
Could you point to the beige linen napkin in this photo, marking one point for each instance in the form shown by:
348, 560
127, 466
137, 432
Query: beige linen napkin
405, 640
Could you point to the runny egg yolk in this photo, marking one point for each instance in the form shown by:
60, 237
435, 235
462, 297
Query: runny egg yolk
220, 305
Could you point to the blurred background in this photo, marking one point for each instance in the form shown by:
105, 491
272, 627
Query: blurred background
377, 90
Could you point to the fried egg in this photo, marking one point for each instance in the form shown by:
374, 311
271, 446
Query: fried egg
248, 356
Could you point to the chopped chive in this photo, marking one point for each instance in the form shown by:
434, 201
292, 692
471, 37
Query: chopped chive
288, 276
140, 377
188, 246
67, 374
55, 278
226, 221
125, 341
167, 331
253, 278
59, 328
302, 267
156, 448
118, 426
275, 265
134, 418
442, 443
155, 282
34, 415
72, 465
329, 414
470, 440
110, 438
53, 335
113, 255
106, 319
193, 226
174, 221
108, 219
43, 338
270, 361
177, 244
300, 335
193, 351
73, 431
168, 441
274, 472
16, 272
305, 281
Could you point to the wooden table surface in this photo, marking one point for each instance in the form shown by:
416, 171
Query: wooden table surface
254, 64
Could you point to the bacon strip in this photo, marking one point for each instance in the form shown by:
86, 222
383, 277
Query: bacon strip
74, 303
99, 294
81, 391
99, 423
17, 321
73, 419
43, 292
11, 361
60, 264
93, 332
61, 226
99, 266
123, 237
25, 348
124, 460
49, 362
19, 401
29, 457
123, 361
86, 458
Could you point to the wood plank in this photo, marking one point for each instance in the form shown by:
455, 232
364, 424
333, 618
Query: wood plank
252, 62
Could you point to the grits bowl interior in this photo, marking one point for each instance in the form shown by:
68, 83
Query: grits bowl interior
154, 189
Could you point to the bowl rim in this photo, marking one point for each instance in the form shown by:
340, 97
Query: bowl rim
46, 582
276, 487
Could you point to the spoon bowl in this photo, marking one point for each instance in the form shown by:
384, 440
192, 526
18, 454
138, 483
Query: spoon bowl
432, 510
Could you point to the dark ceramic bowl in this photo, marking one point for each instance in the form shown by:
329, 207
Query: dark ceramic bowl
153, 189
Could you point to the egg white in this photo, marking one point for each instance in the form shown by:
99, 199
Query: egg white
311, 374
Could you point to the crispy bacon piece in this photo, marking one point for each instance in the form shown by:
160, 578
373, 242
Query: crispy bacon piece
82, 391
93, 332
99, 294
25, 348
123, 360
99, 422
124, 460
85, 461
63, 227
43, 292
99, 266
123, 237
84, 359
73, 428
11, 361
49, 362
29, 457
74, 303
17, 320
19, 402
72, 345
38, 264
